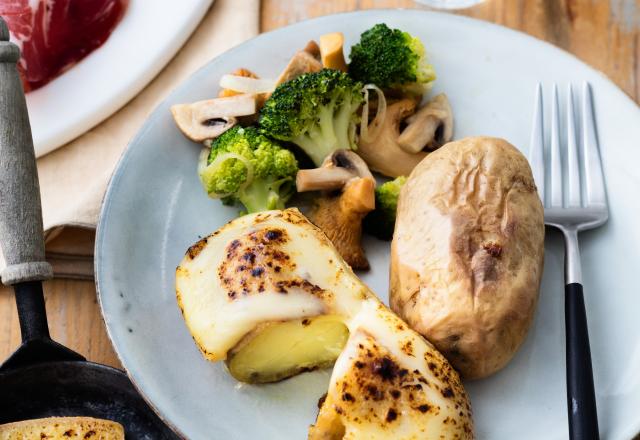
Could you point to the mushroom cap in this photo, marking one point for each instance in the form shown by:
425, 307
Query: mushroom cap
383, 153
208, 119
301, 62
340, 215
334, 173
430, 127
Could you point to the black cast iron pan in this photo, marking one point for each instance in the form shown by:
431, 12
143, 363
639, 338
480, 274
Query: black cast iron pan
43, 378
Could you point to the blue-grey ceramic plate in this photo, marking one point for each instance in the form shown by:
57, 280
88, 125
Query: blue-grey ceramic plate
155, 208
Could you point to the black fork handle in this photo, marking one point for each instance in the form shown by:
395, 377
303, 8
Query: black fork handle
581, 398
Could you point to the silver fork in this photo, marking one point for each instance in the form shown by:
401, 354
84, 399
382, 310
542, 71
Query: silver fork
582, 206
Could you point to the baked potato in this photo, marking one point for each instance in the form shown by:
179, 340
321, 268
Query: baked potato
270, 294
467, 252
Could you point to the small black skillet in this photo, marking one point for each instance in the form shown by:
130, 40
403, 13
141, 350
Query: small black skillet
43, 378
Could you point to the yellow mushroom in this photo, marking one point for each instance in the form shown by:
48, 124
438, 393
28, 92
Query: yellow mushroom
331, 51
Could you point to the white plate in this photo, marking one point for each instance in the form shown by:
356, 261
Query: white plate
155, 208
150, 33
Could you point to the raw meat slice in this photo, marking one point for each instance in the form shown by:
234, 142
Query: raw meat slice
56, 34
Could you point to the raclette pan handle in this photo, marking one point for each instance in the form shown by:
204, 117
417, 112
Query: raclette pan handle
21, 234
21, 231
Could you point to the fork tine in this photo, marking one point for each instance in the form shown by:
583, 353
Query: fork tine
572, 154
594, 180
536, 149
556, 159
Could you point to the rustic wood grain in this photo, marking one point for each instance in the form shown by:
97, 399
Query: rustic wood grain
74, 320
604, 34
21, 222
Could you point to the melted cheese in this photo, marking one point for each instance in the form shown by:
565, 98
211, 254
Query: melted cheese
218, 321
388, 382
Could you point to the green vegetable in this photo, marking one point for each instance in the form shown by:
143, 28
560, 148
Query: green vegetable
391, 58
381, 221
316, 111
247, 167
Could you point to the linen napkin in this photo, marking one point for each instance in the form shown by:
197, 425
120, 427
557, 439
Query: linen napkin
73, 179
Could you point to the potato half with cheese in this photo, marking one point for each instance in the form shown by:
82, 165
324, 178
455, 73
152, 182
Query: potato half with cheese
269, 275
389, 383
467, 252
269, 294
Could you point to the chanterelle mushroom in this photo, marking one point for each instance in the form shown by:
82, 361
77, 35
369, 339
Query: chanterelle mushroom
208, 119
429, 128
382, 152
331, 51
340, 215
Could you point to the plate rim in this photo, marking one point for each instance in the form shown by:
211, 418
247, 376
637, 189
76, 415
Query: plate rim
122, 164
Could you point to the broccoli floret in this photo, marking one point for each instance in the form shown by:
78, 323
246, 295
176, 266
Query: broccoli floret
381, 221
391, 58
247, 167
316, 111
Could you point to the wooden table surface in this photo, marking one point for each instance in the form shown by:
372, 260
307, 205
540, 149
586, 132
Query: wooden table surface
604, 34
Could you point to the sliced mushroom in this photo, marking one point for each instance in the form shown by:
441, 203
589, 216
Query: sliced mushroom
302, 62
305, 61
312, 49
334, 173
322, 179
208, 119
340, 215
429, 128
383, 153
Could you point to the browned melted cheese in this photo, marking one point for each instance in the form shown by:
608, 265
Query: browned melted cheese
257, 262
387, 383
379, 390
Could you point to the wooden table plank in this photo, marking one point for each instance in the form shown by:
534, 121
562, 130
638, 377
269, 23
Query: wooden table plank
601, 33
74, 320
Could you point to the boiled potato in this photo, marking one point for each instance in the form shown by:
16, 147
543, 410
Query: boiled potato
270, 294
467, 252
277, 350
